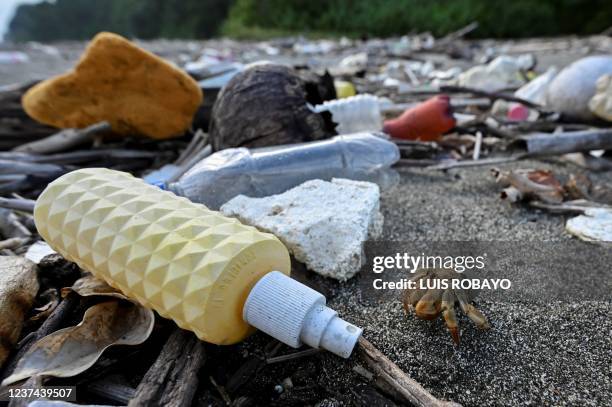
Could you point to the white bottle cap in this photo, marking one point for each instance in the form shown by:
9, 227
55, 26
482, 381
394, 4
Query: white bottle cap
296, 314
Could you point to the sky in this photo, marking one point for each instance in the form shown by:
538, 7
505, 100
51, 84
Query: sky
7, 9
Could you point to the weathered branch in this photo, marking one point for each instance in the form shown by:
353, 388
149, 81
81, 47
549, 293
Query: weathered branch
63, 140
173, 379
401, 383
536, 144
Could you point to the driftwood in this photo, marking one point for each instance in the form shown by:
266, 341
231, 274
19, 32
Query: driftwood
11, 226
23, 205
411, 391
490, 95
173, 379
537, 144
63, 140
475, 163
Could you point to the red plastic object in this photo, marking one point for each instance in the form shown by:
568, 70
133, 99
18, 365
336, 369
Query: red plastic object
518, 112
426, 121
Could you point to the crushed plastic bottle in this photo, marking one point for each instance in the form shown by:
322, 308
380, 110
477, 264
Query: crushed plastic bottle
272, 170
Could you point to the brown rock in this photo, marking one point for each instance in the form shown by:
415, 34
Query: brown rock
18, 288
134, 90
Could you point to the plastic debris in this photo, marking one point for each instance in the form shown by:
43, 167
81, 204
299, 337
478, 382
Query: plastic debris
262, 172
135, 91
573, 88
344, 89
354, 114
426, 121
323, 224
190, 264
601, 103
534, 91
501, 73
594, 226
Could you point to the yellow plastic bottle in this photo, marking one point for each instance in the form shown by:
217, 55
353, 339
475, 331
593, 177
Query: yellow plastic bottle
190, 264
209, 273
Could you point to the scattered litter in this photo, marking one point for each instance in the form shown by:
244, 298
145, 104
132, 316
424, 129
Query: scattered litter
39, 251
262, 172
570, 91
502, 73
426, 121
354, 114
594, 226
601, 103
323, 224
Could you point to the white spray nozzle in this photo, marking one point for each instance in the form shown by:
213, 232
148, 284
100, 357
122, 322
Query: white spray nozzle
296, 314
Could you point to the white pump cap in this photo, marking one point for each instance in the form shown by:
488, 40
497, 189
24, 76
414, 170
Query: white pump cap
295, 314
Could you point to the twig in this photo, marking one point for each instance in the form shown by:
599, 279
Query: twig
460, 33
173, 378
413, 392
12, 243
221, 391
490, 95
11, 226
292, 356
23, 205
475, 163
63, 140
477, 146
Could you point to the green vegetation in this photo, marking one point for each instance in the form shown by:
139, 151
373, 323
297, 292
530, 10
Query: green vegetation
516, 18
81, 19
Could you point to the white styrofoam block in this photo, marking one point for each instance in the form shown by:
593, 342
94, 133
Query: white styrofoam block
594, 226
323, 224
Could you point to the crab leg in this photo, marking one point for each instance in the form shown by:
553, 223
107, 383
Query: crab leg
448, 312
412, 297
471, 311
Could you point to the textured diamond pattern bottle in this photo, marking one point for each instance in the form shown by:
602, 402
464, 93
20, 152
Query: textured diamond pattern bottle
188, 263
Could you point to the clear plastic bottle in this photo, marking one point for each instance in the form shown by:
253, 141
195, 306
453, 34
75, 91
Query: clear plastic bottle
272, 170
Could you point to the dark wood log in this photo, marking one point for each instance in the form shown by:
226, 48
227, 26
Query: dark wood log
173, 379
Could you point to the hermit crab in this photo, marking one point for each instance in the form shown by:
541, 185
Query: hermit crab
432, 294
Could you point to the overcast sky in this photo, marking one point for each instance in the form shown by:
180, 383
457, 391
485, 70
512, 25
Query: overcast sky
7, 9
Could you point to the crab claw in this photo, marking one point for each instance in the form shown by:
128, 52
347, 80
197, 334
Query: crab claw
428, 307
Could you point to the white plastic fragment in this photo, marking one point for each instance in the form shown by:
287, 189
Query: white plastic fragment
296, 314
323, 224
39, 251
503, 72
601, 103
354, 114
594, 226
